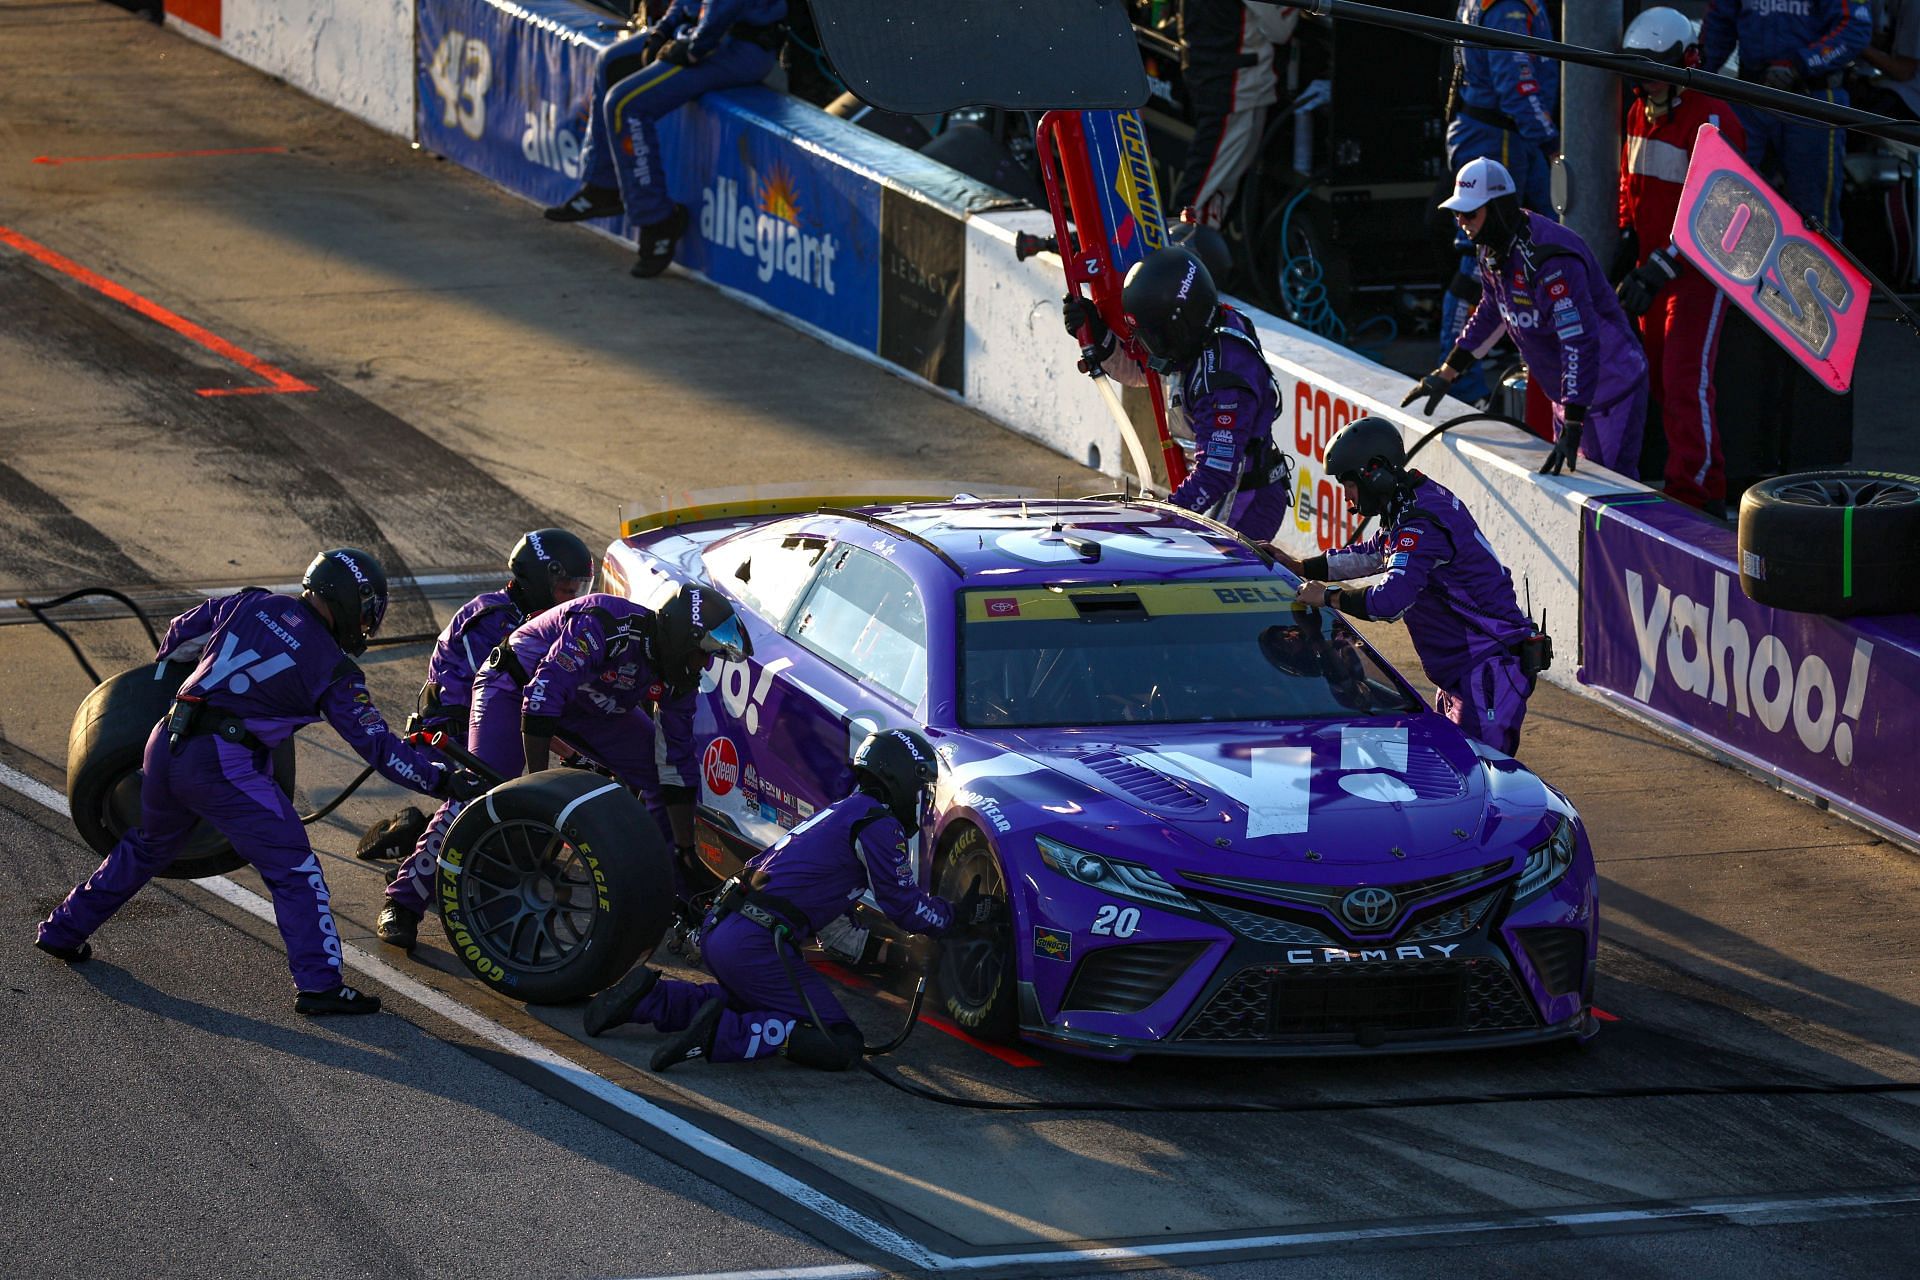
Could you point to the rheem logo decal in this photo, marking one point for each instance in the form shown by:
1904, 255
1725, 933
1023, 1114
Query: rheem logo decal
720, 767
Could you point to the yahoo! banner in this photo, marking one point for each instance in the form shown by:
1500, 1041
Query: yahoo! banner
1827, 705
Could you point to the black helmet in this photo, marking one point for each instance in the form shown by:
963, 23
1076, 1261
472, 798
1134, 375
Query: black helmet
1369, 452
1170, 299
355, 588
695, 623
542, 559
1207, 243
895, 767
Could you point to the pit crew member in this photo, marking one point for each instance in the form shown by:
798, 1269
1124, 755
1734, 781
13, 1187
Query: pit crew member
548, 567
1543, 285
814, 874
1680, 311
1474, 643
1226, 54
1802, 46
268, 665
696, 47
1217, 380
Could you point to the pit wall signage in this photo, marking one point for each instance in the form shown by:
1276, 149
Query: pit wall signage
1310, 416
1826, 704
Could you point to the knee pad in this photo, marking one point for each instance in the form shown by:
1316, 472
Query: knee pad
835, 1050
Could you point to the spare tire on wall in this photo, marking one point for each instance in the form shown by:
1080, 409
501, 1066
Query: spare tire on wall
1832, 542
105, 745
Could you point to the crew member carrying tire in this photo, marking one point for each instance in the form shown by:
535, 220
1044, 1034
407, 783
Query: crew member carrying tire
268, 664
1441, 576
549, 567
585, 671
1217, 379
767, 999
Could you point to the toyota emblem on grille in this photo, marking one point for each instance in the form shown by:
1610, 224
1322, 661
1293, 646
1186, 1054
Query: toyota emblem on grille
1369, 908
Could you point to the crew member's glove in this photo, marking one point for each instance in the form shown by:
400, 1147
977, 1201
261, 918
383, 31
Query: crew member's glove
1781, 75
1434, 386
1081, 313
1645, 282
677, 52
464, 785
977, 910
1566, 447
656, 41
1626, 252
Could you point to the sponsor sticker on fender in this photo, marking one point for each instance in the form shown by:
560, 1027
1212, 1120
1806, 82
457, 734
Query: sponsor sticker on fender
720, 767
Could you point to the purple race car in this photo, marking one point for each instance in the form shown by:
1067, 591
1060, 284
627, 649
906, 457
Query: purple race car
1223, 825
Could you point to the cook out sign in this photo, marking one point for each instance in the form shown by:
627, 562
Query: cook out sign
1319, 507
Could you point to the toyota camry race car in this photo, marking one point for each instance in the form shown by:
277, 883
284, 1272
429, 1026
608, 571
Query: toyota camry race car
1222, 824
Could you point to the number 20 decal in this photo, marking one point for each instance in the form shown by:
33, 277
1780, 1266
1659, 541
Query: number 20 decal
1116, 922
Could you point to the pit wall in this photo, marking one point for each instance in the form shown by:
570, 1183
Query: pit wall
883, 253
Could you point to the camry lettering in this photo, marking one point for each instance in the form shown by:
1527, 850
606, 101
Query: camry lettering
1340, 955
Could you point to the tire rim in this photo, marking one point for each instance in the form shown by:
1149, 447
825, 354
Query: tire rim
1849, 491
977, 967
528, 896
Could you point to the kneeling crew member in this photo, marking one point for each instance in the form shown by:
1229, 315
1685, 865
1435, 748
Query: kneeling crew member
816, 872
549, 567
1442, 577
269, 665
1217, 379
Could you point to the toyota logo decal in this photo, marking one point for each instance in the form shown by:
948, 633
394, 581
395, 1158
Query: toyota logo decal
1369, 908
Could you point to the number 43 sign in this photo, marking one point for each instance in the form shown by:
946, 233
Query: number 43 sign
1791, 279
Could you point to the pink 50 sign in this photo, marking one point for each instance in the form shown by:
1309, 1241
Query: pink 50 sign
1761, 253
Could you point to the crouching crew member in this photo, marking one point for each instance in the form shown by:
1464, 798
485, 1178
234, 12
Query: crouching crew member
585, 671
815, 873
269, 664
549, 567
1441, 576
1217, 380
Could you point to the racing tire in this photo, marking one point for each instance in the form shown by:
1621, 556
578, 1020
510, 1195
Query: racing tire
105, 747
553, 885
1832, 542
979, 987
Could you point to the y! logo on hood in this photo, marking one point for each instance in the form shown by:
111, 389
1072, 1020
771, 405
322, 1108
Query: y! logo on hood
769, 233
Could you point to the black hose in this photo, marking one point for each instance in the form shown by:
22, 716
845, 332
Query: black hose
308, 819
784, 934
1458, 420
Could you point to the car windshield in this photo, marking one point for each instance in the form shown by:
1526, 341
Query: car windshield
1163, 653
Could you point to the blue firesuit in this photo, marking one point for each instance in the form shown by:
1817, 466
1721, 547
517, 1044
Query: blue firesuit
814, 874
1229, 398
1508, 109
732, 42
1457, 599
268, 666
1818, 40
469, 637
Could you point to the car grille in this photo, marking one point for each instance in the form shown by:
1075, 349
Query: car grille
1455, 920
1263, 1003
1157, 789
1263, 928
1126, 979
1559, 957
1409, 894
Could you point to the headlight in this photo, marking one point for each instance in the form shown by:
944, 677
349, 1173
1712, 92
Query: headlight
1546, 864
1110, 875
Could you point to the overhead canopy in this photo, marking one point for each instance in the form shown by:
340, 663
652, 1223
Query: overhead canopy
918, 57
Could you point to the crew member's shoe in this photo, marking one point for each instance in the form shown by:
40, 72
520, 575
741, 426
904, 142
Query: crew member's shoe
696, 1041
587, 202
657, 241
72, 955
342, 999
614, 1006
392, 837
399, 926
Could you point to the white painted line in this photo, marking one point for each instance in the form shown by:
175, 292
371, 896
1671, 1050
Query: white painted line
33, 789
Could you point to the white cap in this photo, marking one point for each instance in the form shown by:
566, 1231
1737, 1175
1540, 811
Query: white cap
1478, 182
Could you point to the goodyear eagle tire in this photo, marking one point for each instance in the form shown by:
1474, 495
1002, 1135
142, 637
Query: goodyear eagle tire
1832, 542
552, 885
105, 745
978, 986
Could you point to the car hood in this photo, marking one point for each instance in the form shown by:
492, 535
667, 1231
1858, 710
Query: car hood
1406, 790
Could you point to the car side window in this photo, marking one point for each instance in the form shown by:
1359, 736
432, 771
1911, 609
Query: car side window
767, 570
866, 617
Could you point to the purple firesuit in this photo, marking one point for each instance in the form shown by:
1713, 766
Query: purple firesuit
583, 671
1457, 599
813, 874
1553, 297
268, 665
481, 624
1229, 398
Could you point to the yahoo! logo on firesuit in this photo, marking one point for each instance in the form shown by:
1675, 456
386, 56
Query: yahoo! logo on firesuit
317, 881
772, 1033
1712, 655
769, 232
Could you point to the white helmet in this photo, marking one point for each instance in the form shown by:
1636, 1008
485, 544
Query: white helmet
1661, 34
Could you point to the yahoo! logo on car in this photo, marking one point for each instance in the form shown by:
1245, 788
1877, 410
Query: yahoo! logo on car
1712, 656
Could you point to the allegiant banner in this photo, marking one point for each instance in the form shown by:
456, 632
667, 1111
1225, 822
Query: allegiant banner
1823, 703
505, 90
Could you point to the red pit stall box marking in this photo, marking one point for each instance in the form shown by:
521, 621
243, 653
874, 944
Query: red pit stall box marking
848, 978
278, 380
163, 155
